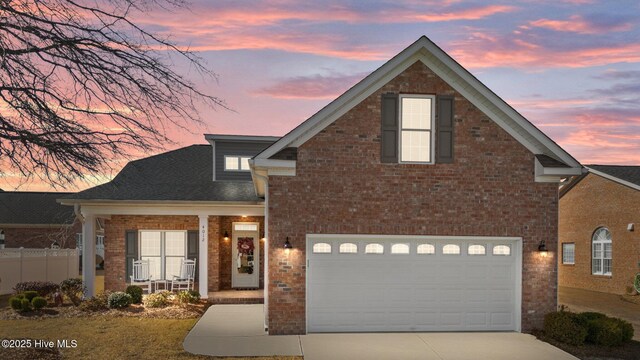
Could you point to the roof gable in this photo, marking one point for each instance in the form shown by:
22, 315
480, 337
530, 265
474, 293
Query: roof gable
625, 175
450, 71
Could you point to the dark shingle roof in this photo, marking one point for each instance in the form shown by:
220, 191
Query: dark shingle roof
185, 174
627, 173
19, 207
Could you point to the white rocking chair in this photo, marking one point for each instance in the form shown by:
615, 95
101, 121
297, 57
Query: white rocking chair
187, 274
141, 275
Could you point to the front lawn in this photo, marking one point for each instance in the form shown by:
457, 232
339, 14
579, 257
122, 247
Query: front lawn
105, 337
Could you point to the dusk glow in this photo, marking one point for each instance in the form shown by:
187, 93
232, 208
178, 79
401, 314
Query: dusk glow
571, 67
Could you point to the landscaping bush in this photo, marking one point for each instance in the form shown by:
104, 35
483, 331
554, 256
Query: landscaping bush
96, 303
135, 292
25, 305
119, 300
73, 289
565, 327
16, 303
29, 295
38, 302
44, 288
609, 331
156, 300
188, 297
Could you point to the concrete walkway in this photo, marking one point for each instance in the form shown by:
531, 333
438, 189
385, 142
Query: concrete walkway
238, 330
579, 300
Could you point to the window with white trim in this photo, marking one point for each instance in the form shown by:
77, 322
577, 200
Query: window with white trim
503, 250
321, 248
165, 251
236, 163
348, 248
451, 249
400, 248
569, 253
601, 252
476, 250
374, 249
245, 227
426, 249
417, 114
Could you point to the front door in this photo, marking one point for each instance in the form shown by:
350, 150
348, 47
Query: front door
245, 252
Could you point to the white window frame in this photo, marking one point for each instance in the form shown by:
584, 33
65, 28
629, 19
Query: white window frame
163, 255
238, 159
601, 258
431, 131
565, 253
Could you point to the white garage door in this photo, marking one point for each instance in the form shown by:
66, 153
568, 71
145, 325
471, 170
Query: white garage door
392, 283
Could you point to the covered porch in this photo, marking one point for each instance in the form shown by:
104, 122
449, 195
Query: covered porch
227, 242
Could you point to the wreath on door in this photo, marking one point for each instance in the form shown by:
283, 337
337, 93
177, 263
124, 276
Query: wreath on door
245, 245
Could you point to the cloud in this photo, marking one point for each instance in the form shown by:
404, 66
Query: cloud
578, 24
311, 87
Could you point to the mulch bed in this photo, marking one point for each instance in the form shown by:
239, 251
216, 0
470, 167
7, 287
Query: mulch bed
628, 351
190, 311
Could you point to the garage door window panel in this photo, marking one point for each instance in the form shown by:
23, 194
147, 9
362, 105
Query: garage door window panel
402, 249
374, 248
476, 250
451, 249
348, 248
502, 250
321, 248
426, 249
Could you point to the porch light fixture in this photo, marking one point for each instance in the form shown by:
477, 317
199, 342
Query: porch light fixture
226, 236
542, 248
287, 244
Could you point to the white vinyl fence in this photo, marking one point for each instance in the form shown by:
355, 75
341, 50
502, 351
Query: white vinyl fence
18, 265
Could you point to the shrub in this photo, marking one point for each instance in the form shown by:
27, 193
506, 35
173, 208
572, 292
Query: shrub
636, 283
44, 288
73, 289
16, 303
119, 300
25, 305
156, 300
565, 327
29, 295
135, 292
609, 331
38, 302
188, 297
96, 303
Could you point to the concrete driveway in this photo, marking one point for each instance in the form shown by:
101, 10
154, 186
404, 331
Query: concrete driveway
238, 330
578, 300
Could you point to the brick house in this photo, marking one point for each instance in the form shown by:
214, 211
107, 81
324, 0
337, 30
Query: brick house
418, 200
599, 246
36, 220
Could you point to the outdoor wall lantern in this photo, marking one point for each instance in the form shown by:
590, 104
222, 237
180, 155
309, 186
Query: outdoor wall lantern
226, 236
287, 244
542, 248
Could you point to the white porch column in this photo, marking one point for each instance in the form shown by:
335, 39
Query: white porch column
89, 254
203, 257
266, 255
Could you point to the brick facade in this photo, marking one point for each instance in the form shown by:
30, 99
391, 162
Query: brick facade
219, 250
341, 187
592, 203
42, 236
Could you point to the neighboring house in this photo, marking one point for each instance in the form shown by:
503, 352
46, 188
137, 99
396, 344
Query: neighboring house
416, 201
599, 218
36, 220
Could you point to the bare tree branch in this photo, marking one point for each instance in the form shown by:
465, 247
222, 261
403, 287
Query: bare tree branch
81, 83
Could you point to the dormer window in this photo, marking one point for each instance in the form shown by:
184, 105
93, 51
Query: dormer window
236, 163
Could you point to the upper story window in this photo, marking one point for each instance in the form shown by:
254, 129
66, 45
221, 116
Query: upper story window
569, 253
601, 253
236, 163
417, 114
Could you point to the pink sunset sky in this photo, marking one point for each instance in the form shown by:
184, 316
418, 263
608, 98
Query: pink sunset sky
571, 67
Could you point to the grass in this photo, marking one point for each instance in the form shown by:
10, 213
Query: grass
109, 337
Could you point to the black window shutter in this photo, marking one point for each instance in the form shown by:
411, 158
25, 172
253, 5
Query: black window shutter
131, 252
444, 129
389, 135
192, 248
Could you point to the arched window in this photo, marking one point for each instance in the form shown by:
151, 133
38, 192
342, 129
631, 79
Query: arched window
502, 250
348, 248
400, 248
374, 249
426, 249
321, 248
451, 249
601, 252
476, 250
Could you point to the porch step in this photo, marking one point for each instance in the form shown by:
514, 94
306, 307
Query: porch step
237, 297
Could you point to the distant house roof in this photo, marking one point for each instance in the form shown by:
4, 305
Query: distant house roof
623, 174
33, 208
185, 174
